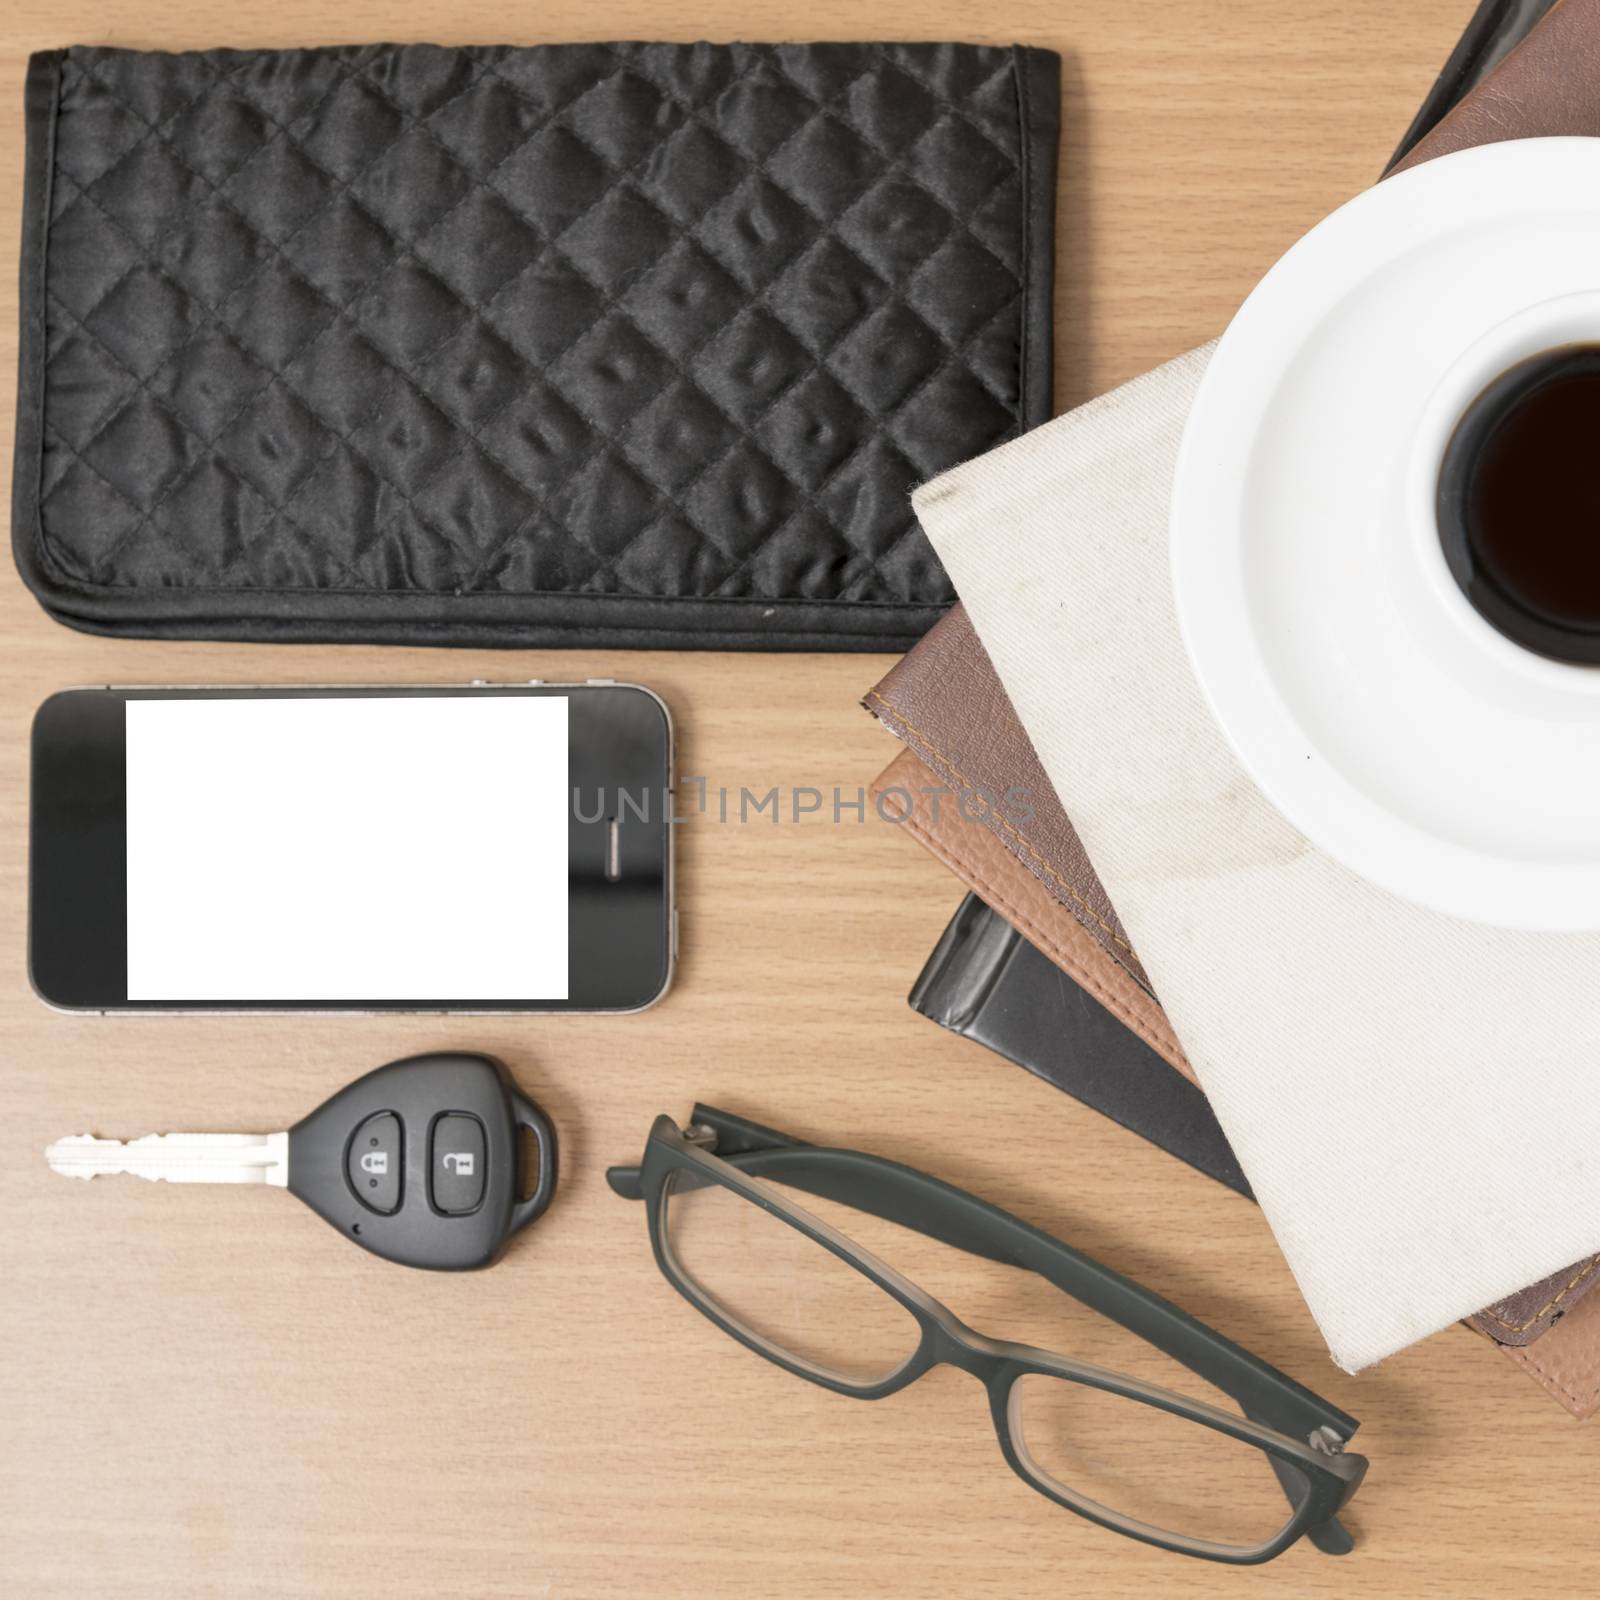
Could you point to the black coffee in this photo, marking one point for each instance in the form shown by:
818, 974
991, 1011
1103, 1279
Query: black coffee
1519, 503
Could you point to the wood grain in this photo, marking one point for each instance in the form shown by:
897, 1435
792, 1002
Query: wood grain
209, 1394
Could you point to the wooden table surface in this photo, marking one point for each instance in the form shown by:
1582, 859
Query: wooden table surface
205, 1392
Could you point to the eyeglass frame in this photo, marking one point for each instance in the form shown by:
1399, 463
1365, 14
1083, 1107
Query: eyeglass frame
1292, 1426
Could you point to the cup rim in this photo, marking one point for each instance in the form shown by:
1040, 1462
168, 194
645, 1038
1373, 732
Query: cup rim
1544, 326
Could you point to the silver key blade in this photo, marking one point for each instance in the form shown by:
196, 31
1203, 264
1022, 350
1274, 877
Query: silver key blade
177, 1157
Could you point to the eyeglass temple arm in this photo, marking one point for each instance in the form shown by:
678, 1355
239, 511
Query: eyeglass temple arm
924, 1204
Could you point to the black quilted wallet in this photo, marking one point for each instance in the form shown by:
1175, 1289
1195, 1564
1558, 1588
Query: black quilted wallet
617, 344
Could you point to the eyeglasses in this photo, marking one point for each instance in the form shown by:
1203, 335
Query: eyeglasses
1143, 1460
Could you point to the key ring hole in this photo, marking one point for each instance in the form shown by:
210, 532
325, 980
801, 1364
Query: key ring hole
527, 1164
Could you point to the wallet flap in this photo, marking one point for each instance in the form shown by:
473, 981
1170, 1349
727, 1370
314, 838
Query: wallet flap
641, 342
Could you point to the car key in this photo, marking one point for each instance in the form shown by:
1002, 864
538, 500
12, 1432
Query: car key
416, 1161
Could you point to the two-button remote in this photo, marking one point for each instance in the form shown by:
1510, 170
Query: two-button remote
417, 1162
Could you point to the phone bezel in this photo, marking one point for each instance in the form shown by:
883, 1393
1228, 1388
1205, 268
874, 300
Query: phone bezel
77, 909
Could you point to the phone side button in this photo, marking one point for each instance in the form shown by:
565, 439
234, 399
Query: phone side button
674, 933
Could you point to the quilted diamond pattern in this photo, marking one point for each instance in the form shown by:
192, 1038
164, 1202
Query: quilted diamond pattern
628, 320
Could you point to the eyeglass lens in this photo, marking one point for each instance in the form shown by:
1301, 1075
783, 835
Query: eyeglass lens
782, 1288
1179, 1476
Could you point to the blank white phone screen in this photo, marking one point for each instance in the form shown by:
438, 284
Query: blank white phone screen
348, 848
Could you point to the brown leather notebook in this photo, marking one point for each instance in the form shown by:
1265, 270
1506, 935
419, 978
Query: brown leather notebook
1009, 840
1002, 829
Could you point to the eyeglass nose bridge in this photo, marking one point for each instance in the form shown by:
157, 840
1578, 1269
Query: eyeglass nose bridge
953, 1343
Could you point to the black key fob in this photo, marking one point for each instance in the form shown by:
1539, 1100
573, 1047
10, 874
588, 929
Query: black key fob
418, 1161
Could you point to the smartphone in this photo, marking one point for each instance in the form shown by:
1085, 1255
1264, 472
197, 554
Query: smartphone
484, 848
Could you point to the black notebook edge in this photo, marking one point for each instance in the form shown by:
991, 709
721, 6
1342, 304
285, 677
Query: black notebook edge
1496, 29
985, 982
